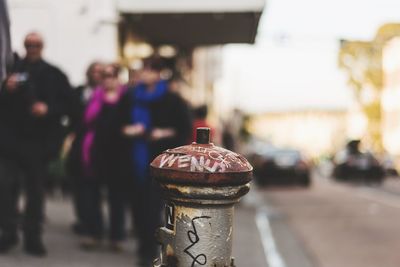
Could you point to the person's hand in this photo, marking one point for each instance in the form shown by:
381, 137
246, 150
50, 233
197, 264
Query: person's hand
39, 109
134, 130
161, 133
12, 83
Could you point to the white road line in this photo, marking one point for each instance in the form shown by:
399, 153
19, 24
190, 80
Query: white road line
272, 255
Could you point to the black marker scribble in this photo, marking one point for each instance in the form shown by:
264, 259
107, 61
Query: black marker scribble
194, 238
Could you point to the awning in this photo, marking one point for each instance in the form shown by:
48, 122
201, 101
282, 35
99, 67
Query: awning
191, 23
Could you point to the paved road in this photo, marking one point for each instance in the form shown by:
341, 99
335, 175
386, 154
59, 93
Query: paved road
336, 225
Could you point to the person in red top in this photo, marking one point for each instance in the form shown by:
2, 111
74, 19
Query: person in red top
200, 120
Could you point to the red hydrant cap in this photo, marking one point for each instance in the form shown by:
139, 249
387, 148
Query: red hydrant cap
201, 163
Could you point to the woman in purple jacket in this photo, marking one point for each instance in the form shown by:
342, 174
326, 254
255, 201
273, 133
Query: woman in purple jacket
99, 149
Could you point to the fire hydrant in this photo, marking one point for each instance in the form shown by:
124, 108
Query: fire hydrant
200, 183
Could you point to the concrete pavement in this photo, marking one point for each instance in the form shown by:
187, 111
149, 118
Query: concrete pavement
64, 251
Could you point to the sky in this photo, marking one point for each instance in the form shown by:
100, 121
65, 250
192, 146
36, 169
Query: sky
293, 64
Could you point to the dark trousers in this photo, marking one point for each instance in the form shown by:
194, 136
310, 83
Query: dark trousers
78, 197
25, 172
90, 201
9, 190
146, 207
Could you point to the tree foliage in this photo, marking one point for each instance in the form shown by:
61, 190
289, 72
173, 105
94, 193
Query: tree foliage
362, 61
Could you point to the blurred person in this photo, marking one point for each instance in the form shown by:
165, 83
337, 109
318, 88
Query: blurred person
134, 77
5, 41
175, 82
32, 102
156, 119
83, 93
200, 120
81, 97
7, 168
49, 89
228, 139
99, 150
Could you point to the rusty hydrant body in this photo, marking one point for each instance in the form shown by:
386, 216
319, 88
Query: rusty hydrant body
201, 183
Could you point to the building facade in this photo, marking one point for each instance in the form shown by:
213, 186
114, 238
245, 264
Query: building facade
391, 97
315, 132
76, 32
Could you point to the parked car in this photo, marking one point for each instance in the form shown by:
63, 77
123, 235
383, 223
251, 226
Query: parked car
389, 166
281, 167
352, 164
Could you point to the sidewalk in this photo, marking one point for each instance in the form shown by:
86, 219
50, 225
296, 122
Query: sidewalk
64, 251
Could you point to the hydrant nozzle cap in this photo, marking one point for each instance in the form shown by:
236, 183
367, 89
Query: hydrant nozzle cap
203, 135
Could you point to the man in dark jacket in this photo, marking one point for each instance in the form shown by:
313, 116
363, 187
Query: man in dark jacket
33, 101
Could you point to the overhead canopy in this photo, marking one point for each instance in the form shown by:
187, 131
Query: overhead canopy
189, 23
189, 6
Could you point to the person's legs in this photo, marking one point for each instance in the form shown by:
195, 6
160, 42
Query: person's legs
135, 199
155, 218
141, 208
34, 168
93, 226
78, 198
9, 188
147, 208
116, 204
9, 191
